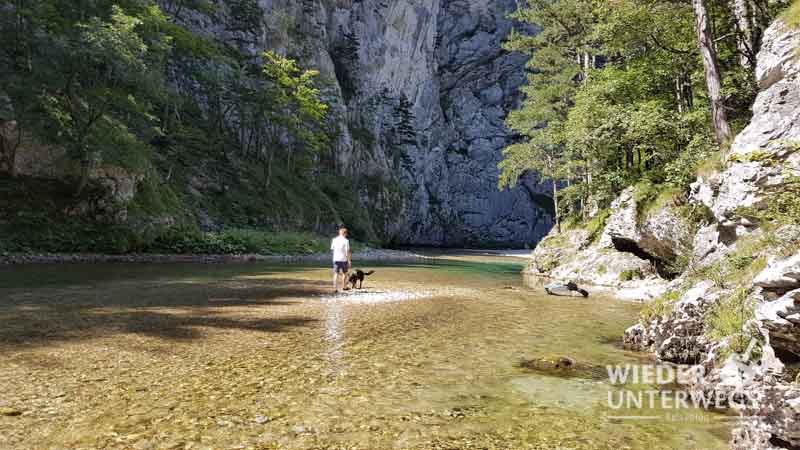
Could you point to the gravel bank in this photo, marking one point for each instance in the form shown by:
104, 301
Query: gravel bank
71, 258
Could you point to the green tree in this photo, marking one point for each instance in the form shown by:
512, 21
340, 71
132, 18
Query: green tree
292, 107
619, 92
101, 81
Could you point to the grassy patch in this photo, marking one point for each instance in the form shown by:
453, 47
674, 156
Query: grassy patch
711, 166
42, 216
791, 16
651, 198
782, 207
630, 275
597, 224
659, 307
727, 320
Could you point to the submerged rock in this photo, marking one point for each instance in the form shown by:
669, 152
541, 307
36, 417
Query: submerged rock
10, 412
563, 366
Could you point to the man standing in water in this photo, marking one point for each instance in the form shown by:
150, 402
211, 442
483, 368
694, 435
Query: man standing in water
342, 257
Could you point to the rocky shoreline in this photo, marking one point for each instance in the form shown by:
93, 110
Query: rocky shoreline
719, 267
373, 255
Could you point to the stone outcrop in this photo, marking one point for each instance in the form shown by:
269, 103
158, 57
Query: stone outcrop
678, 337
658, 235
556, 248
780, 275
781, 319
614, 260
764, 155
775, 418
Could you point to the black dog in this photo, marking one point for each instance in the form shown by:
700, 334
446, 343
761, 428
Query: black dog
358, 277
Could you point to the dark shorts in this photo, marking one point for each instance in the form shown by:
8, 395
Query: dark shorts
340, 266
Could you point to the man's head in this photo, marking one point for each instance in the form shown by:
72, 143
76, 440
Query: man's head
343, 232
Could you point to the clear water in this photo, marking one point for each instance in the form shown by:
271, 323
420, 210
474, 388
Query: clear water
252, 356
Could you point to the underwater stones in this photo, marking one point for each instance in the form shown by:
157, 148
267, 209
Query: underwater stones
563, 366
261, 420
9, 411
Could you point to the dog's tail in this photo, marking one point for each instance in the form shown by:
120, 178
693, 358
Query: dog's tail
369, 273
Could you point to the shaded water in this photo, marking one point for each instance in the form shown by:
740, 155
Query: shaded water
251, 356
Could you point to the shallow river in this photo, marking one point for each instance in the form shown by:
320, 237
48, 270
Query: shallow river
252, 356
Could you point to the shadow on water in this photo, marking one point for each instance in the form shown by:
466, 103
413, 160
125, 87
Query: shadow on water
172, 306
39, 275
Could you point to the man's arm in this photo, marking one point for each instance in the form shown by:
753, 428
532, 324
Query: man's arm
349, 254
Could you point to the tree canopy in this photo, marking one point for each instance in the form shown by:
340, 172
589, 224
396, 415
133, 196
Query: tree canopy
618, 93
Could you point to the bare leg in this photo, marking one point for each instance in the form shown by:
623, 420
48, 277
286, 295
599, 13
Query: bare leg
335, 280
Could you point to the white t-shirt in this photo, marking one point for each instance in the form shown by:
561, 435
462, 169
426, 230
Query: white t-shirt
341, 248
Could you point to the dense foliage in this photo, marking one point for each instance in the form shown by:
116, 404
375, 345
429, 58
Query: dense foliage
205, 124
617, 93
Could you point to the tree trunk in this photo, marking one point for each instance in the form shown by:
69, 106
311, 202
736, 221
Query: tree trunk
555, 206
752, 18
9, 147
745, 28
268, 174
705, 38
12, 162
84, 178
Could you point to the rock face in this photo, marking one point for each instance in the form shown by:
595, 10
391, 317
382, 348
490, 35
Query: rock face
764, 155
777, 419
781, 319
419, 89
438, 65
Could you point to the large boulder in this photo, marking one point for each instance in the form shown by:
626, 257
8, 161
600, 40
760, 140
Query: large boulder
604, 267
556, 248
572, 256
659, 235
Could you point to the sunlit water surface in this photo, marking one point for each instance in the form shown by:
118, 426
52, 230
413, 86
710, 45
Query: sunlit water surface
252, 356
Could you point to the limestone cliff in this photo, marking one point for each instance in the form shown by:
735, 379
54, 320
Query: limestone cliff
422, 89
